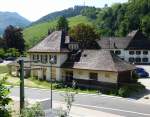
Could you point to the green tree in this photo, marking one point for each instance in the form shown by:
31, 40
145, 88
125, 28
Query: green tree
14, 38
62, 24
145, 26
2, 53
85, 35
4, 99
89, 12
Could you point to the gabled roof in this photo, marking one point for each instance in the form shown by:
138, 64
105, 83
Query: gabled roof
134, 40
98, 60
114, 42
53, 43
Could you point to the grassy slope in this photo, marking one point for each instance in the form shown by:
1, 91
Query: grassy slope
35, 33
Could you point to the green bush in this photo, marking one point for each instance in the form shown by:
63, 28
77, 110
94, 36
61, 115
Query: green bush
124, 91
135, 77
4, 99
128, 89
33, 111
2, 53
12, 52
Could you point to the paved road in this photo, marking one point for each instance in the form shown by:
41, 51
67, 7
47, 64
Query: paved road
115, 105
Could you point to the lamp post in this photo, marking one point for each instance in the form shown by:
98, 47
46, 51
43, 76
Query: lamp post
52, 61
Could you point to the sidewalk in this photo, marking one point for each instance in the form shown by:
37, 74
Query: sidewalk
76, 111
145, 96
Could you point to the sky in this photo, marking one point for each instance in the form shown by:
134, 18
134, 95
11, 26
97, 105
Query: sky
35, 9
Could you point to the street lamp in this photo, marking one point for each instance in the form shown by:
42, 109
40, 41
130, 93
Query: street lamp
52, 61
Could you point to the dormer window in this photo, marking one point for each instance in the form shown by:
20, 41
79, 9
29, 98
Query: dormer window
73, 46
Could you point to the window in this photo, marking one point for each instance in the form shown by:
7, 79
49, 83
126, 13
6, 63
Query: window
107, 75
44, 58
117, 52
131, 52
112, 51
37, 57
33, 57
54, 57
131, 59
145, 59
145, 52
41, 58
138, 60
93, 76
122, 58
138, 52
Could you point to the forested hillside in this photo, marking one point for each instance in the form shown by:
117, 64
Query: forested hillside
119, 19
70, 12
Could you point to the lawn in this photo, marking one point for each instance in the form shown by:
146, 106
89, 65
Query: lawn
3, 69
34, 83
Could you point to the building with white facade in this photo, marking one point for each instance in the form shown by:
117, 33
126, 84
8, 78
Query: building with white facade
135, 48
88, 67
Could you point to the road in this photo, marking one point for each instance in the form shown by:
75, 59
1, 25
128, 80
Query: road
110, 104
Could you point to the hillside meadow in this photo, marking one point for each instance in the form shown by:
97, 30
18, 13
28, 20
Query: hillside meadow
37, 32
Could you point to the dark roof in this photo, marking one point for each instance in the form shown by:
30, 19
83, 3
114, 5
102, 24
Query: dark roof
98, 60
55, 42
134, 40
114, 42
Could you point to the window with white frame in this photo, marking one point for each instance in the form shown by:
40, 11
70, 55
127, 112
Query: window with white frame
145, 52
73, 46
145, 60
131, 52
131, 59
54, 57
138, 52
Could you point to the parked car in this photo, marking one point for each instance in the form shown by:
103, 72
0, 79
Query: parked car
1, 60
10, 58
141, 72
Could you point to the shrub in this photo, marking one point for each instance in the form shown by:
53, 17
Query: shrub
33, 111
128, 89
12, 52
2, 53
4, 99
124, 91
135, 77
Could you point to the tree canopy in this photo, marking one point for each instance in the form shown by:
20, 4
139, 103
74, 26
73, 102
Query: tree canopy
14, 38
62, 24
85, 35
121, 18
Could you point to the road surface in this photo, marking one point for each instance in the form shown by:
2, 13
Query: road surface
110, 104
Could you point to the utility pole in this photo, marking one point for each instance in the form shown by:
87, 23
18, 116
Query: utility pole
51, 88
21, 70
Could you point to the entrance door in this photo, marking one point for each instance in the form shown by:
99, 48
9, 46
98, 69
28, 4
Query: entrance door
69, 76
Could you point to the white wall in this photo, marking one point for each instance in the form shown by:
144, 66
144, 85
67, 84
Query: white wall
125, 54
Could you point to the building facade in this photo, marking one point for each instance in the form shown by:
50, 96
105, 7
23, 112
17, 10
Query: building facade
135, 48
93, 67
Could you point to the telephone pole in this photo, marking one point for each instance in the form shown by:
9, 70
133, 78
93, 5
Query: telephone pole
21, 70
